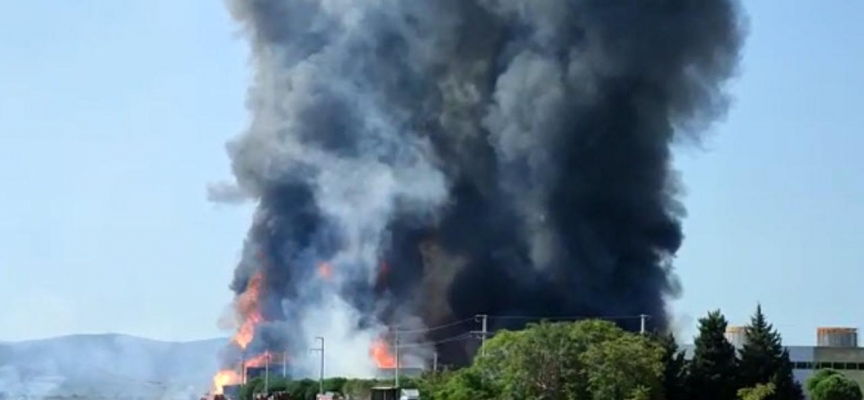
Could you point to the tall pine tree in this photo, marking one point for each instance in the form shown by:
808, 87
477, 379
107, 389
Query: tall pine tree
713, 370
675, 372
764, 360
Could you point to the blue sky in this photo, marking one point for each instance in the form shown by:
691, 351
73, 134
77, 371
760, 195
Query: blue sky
113, 118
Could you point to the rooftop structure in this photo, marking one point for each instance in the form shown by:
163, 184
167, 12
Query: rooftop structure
737, 335
837, 337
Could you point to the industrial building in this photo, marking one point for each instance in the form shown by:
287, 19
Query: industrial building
404, 372
737, 335
836, 348
259, 372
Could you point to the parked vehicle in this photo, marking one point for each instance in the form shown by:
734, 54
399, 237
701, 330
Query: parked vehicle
384, 393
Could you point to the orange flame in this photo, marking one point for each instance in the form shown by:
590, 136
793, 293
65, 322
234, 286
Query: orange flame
247, 330
225, 378
258, 361
248, 306
380, 353
274, 359
325, 270
248, 301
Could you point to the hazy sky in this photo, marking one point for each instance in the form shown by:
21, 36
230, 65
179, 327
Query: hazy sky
114, 114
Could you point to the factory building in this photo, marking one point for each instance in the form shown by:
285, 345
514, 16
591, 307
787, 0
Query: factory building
404, 372
259, 372
837, 348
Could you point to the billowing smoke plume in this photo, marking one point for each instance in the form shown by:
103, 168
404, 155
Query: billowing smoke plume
420, 162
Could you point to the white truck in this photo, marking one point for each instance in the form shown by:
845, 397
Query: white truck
410, 394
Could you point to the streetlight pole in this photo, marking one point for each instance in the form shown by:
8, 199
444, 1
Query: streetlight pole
321, 370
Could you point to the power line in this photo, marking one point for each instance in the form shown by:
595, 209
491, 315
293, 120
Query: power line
464, 336
473, 334
516, 317
566, 318
434, 328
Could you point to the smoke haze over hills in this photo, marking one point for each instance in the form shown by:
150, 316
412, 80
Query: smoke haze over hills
111, 366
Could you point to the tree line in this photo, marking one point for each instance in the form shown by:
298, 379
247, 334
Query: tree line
597, 360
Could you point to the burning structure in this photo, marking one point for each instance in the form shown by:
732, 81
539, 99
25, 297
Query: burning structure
419, 162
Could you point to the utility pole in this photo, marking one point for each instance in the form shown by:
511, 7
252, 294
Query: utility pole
266, 372
243, 365
396, 349
285, 365
435, 362
642, 319
482, 318
321, 370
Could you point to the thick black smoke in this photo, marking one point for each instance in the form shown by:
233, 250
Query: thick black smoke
456, 157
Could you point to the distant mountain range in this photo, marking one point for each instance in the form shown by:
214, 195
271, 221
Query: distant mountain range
107, 367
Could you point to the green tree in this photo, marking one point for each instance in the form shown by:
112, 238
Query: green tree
819, 376
583, 360
675, 369
408, 382
255, 385
274, 384
627, 367
713, 370
464, 384
305, 389
541, 361
764, 359
334, 384
277, 384
358, 388
532, 363
829, 384
758, 392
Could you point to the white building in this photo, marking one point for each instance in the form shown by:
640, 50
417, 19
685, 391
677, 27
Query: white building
838, 349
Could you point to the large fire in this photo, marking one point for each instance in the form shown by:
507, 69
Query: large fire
248, 307
380, 353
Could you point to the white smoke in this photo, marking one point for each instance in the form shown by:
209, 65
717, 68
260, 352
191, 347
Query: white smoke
346, 350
